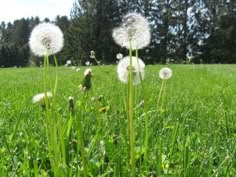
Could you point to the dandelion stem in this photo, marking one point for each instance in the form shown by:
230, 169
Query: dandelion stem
56, 79
49, 132
131, 114
160, 93
163, 95
145, 112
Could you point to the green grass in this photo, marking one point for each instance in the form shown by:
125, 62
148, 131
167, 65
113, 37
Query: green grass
193, 135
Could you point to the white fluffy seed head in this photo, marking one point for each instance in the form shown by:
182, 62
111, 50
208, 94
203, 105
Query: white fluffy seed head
88, 71
40, 98
46, 39
87, 63
68, 62
119, 56
70, 98
135, 30
165, 73
123, 70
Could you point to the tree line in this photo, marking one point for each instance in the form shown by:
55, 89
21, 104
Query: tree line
183, 31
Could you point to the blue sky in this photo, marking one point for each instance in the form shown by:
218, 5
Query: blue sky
11, 10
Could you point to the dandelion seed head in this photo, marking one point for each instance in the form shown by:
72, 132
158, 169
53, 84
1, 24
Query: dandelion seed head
68, 62
70, 98
40, 98
135, 30
123, 69
87, 72
165, 73
71, 103
87, 63
119, 56
46, 39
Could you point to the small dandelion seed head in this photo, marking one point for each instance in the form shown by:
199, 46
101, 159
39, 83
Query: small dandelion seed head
87, 72
70, 98
165, 73
92, 54
87, 63
119, 56
40, 98
123, 70
46, 39
135, 29
78, 69
71, 103
68, 62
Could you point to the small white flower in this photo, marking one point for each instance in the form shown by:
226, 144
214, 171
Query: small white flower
68, 62
137, 67
40, 98
134, 30
78, 69
46, 39
119, 56
165, 73
87, 63
88, 71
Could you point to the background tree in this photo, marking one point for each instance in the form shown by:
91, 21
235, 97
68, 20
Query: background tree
202, 31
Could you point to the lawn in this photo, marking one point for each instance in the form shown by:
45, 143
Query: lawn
192, 134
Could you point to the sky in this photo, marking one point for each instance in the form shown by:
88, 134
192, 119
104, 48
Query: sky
11, 10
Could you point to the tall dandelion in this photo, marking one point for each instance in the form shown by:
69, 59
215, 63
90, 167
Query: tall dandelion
46, 39
164, 74
137, 70
133, 34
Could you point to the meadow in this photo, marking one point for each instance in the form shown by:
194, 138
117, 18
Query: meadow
193, 134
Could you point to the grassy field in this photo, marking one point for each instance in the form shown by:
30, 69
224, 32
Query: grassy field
194, 134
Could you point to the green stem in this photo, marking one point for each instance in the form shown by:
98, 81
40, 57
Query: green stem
96, 60
145, 113
131, 114
159, 96
81, 139
163, 95
56, 79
